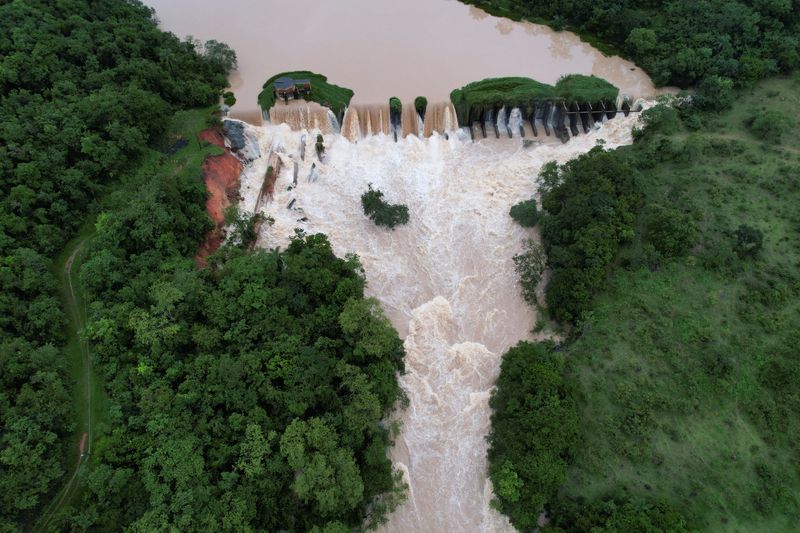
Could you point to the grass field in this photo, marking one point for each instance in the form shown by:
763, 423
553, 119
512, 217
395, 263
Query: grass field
689, 367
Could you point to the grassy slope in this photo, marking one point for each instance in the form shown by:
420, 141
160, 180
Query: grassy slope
670, 359
322, 91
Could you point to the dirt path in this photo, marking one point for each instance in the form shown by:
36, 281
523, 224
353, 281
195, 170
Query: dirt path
77, 318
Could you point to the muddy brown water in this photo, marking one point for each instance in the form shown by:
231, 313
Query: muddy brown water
446, 279
383, 48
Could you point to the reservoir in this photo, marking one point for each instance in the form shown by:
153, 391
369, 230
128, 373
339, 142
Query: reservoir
384, 48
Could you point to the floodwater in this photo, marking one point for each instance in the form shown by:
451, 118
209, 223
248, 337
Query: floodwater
446, 281
384, 48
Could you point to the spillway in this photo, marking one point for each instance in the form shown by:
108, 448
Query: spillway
446, 281
364, 120
302, 115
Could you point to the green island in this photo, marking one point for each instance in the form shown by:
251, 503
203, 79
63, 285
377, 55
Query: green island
473, 99
322, 91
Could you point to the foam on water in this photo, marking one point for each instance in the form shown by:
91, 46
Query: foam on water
446, 280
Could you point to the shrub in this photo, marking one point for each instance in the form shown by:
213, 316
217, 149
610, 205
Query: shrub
715, 93
421, 104
748, 241
613, 514
229, 98
769, 125
668, 230
395, 105
525, 213
529, 266
381, 212
243, 227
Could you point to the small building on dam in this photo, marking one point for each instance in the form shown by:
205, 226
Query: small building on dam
286, 87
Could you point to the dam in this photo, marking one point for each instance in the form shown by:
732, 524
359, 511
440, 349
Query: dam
446, 280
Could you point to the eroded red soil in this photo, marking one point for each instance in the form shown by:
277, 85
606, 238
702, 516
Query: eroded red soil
221, 176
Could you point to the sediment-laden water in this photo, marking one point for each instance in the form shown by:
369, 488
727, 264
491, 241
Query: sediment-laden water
383, 48
446, 280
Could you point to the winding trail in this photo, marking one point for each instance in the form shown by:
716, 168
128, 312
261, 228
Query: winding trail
76, 313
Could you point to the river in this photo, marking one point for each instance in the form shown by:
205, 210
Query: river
383, 48
446, 279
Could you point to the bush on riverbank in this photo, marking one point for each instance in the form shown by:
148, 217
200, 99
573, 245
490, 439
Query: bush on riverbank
322, 91
534, 430
525, 213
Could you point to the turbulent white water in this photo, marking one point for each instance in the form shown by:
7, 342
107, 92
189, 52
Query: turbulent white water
446, 280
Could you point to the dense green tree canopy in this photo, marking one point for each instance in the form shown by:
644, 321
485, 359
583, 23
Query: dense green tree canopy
680, 42
85, 88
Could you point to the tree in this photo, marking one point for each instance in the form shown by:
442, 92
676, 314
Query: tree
525, 213
382, 212
749, 241
221, 55
324, 473
534, 431
641, 41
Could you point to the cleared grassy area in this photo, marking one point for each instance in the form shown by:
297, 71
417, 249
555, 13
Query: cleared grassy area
323, 92
689, 366
471, 100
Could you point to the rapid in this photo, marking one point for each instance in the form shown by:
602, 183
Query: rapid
446, 279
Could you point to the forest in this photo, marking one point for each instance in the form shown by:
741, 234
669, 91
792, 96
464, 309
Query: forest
83, 91
713, 45
249, 395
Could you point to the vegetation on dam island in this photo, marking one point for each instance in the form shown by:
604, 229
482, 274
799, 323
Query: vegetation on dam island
490, 94
322, 91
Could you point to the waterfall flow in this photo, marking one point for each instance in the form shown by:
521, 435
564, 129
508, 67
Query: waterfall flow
446, 279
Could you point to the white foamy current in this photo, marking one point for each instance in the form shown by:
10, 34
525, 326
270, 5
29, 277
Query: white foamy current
446, 281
